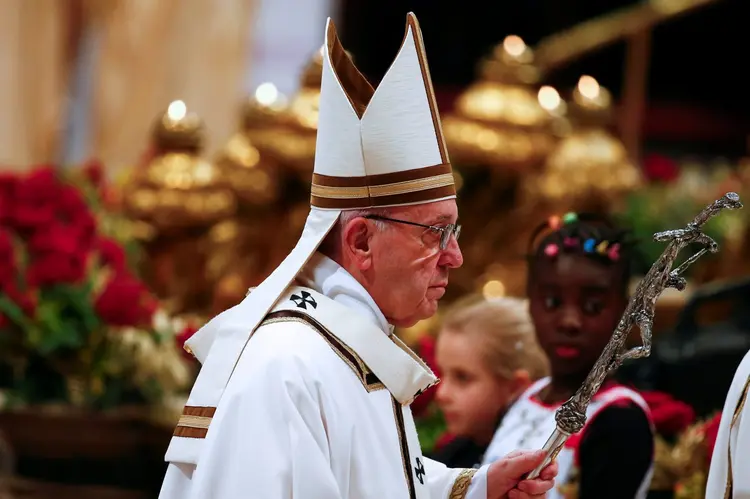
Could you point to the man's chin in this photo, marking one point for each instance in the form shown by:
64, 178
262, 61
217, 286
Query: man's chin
427, 309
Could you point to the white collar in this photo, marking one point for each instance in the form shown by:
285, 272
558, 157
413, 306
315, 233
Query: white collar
331, 279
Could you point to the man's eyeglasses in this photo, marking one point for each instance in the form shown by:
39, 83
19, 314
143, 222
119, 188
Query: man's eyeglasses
445, 231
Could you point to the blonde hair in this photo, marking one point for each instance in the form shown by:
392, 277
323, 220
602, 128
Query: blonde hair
504, 329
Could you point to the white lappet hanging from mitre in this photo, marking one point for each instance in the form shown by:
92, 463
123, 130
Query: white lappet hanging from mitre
375, 148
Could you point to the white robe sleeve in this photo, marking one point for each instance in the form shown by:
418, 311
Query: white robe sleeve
731, 469
445, 482
268, 438
741, 457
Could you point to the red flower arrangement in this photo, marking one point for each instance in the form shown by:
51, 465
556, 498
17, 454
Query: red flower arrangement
426, 350
428, 418
185, 334
658, 168
711, 431
669, 415
64, 285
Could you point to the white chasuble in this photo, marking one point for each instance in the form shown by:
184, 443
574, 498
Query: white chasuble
318, 408
729, 476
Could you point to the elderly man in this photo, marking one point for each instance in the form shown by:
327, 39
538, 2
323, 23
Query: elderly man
304, 391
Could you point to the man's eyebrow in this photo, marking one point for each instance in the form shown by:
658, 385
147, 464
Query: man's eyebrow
440, 219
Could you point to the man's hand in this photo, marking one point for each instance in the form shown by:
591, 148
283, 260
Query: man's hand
504, 476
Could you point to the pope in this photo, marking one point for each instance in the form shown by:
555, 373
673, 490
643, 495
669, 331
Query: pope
304, 389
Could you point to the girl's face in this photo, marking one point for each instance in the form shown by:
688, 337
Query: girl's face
575, 304
470, 395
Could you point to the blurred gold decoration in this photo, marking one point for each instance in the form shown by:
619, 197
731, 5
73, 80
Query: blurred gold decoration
153, 360
571, 44
253, 180
632, 24
682, 466
503, 279
426, 327
278, 134
590, 168
178, 189
499, 120
176, 197
502, 128
522, 153
286, 131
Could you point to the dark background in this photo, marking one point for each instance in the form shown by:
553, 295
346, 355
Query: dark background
698, 82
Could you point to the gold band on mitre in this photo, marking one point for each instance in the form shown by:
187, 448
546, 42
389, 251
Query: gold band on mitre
420, 185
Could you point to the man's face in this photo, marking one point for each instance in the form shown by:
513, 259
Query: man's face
409, 271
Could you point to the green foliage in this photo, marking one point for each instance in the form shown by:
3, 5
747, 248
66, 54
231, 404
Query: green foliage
430, 428
655, 209
54, 344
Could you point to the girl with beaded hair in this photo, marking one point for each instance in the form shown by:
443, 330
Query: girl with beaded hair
578, 277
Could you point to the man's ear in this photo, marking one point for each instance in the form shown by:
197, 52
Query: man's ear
356, 241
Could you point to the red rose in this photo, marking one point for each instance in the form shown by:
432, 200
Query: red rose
26, 300
7, 258
84, 228
8, 183
125, 301
670, 416
71, 204
182, 337
111, 253
35, 199
94, 172
56, 238
444, 440
711, 430
426, 350
660, 168
56, 268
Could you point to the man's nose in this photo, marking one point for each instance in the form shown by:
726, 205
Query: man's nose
452, 257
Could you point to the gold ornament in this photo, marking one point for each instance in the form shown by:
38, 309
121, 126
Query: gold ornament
178, 189
254, 181
499, 120
503, 127
287, 132
175, 198
682, 466
590, 165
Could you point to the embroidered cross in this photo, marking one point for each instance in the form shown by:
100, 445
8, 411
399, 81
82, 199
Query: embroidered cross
304, 300
420, 471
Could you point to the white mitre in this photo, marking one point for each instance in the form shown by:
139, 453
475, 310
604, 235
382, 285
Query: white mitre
375, 148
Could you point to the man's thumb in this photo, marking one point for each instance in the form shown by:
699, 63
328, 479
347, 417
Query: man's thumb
520, 464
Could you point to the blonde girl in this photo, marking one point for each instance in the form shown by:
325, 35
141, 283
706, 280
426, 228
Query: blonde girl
487, 354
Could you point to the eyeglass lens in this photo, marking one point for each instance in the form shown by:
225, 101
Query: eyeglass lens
445, 237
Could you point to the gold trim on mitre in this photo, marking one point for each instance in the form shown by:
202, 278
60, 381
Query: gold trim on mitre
405, 187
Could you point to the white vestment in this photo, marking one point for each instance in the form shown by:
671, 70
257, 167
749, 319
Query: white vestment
529, 423
729, 475
318, 408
